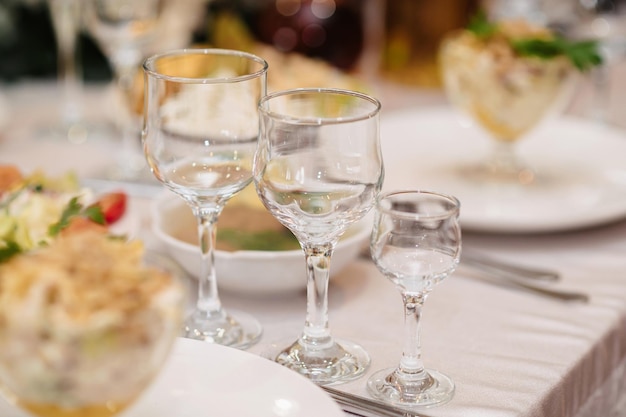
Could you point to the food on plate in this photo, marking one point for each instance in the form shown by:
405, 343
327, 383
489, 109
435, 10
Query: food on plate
112, 205
85, 325
507, 75
36, 208
293, 70
288, 69
10, 176
244, 224
246, 228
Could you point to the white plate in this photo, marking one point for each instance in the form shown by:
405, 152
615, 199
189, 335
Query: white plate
584, 162
202, 379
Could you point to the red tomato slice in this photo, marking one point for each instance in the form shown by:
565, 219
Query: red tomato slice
113, 206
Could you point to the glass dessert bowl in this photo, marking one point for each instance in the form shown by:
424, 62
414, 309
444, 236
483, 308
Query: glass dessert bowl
507, 87
85, 325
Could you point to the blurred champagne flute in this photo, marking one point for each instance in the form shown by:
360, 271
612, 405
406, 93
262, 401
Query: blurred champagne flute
65, 16
124, 30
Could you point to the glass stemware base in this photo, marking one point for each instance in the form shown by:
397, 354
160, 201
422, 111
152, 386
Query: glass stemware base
334, 362
503, 166
423, 389
234, 329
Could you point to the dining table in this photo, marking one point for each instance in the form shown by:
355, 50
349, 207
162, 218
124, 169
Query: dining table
510, 352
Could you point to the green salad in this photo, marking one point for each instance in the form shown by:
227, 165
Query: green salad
34, 211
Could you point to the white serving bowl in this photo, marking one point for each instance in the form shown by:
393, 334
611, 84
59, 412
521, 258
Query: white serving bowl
246, 271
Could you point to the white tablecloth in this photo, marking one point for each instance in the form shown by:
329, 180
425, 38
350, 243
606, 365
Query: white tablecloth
511, 353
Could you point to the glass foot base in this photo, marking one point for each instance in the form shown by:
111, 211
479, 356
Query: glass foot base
435, 389
235, 329
499, 174
340, 362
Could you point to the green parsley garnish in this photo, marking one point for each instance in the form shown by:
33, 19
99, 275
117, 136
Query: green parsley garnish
480, 25
582, 54
7, 252
73, 209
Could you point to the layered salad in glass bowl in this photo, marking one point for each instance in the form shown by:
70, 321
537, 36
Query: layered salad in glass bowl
508, 76
87, 318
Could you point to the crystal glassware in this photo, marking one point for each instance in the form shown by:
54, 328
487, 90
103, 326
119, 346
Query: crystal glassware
318, 170
416, 243
200, 133
124, 29
504, 93
86, 324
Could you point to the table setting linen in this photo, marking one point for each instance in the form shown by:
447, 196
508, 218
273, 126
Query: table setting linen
510, 352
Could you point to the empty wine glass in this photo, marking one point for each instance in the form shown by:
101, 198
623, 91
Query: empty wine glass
505, 93
124, 29
416, 243
200, 133
318, 170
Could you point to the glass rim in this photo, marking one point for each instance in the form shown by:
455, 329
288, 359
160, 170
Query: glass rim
148, 65
442, 214
318, 90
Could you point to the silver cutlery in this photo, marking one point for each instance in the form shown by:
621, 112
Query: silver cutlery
559, 294
367, 407
486, 263
531, 279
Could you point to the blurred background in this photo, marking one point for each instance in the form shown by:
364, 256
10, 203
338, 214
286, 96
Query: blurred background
396, 40
337, 31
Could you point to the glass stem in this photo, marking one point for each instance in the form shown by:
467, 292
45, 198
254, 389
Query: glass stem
316, 334
411, 365
504, 158
505, 165
208, 302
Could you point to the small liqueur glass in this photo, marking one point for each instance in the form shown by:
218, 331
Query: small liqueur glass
416, 243
200, 134
318, 169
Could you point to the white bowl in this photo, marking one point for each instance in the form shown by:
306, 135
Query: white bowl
246, 271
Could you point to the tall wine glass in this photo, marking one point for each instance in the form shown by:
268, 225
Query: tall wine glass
124, 30
200, 133
416, 243
505, 93
318, 169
